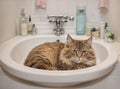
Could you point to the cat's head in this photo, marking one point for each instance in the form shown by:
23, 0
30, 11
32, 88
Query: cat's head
79, 49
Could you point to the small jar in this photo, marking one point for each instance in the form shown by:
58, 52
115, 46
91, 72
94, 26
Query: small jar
95, 33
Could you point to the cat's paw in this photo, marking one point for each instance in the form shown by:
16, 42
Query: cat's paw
67, 62
90, 63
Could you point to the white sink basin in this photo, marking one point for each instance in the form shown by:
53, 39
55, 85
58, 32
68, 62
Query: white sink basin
14, 52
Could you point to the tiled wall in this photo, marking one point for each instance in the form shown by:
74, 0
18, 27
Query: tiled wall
10, 8
63, 7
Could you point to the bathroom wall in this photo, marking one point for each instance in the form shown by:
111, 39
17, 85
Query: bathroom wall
114, 17
0, 14
61, 7
7, 19
68, 7
10, 8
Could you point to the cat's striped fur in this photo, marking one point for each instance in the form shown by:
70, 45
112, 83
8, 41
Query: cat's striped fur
75, 54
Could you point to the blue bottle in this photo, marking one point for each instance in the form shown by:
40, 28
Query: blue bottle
81, 21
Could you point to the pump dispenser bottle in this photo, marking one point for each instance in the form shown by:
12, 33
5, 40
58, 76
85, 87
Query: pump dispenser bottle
23, 23
81, 20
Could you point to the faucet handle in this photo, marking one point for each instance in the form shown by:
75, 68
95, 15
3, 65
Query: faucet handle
64, 20
71, 18
51, 19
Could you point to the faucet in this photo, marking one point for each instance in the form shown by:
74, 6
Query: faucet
59, 22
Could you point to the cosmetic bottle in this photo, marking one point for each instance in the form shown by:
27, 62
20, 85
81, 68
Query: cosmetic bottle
81, 20
95, 33
102, 30
29, 25
88, 30
34, 30
23, 23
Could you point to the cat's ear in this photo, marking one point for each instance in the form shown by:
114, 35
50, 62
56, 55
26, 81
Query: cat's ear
69, 39
89, 41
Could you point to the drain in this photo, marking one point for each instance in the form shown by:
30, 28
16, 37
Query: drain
58, 40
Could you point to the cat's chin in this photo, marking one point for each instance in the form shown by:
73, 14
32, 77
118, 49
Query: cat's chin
81, 60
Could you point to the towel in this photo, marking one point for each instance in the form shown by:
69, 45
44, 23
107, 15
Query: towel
41, 3
103, 4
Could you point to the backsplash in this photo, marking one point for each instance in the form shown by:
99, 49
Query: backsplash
10, 8
61, 7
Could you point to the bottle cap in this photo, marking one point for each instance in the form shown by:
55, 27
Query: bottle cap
81, 7
29, 18
106, 25
33, 25
22, 12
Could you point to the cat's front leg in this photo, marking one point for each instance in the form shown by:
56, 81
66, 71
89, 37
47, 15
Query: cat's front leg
90, 63
65, 61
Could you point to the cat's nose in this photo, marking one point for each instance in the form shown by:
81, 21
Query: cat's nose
79, 56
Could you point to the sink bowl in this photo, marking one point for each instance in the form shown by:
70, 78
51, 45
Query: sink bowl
14, 52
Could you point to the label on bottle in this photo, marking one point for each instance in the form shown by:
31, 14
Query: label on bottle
23, 29
29, 28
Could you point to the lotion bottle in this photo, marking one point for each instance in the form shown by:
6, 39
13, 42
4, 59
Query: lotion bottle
81, 20
23, 23
34, 30
30, 25
88, 30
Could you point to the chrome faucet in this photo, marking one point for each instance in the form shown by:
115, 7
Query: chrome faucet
59, 22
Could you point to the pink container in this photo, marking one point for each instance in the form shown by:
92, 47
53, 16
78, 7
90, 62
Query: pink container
103, 4
41, 3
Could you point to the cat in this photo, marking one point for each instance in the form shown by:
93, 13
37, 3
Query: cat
74, 54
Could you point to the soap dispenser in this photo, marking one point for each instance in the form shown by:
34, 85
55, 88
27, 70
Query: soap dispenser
23, 23
81, 20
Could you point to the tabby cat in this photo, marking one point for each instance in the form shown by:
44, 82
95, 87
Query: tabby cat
75, 54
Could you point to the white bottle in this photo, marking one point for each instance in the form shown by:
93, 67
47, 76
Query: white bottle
34, 30
30, 25
102, 30
23, 23
88, 30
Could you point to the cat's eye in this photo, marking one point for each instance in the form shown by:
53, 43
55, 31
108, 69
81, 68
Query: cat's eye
74, 50
84, 51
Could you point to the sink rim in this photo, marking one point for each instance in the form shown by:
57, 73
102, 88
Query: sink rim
17, 69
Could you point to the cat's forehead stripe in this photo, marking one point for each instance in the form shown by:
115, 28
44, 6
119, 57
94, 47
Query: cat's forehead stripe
79, 45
